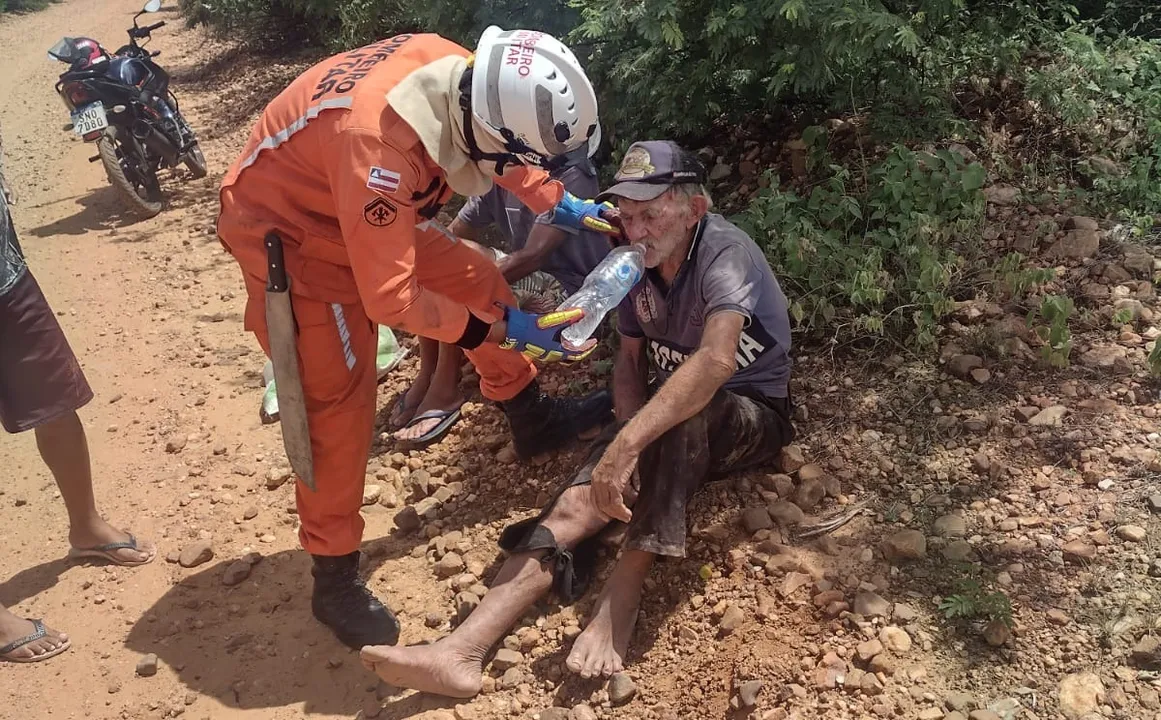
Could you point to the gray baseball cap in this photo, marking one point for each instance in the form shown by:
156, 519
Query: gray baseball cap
650, 168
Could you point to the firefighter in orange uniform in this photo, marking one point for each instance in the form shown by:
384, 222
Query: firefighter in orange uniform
348, 167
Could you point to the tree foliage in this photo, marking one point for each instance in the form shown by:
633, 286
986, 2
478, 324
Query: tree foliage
1057, 96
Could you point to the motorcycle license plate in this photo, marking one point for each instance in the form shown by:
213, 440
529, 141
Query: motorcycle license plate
90, 118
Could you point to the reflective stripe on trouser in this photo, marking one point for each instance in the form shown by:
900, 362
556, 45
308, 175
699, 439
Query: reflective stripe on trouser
336, 353
336, 356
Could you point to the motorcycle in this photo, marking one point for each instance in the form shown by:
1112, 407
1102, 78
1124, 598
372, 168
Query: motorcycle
123, 103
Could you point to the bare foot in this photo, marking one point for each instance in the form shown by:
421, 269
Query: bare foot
13, 628
436, 399
600, 649
435, 669
410, 401
98, 532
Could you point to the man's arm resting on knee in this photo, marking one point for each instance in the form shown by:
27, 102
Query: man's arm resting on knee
690, 388
629, 379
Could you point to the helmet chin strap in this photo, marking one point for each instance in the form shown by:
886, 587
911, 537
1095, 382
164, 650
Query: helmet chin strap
517, 149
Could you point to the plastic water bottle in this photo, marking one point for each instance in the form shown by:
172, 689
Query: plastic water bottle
604, 288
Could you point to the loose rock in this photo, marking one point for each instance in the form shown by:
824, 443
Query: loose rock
962, 702
786, 513
959, 550
175, 444
276, 477
962, 365
1049, 416
905, 545
506, 658
583, 712
1131, 533
147, 665
407, 519
1078, 244
755, 519
810, 493
869, 649
196, 554
1147, 652
448, 565
869, 604
621, 688
792, 459
732, 619
1078, 551
950, 526
236, 573
895, 639
371, 494
748, 692
1080, 694
466, 602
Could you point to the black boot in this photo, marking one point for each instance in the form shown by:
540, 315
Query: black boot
341, 602
541, 423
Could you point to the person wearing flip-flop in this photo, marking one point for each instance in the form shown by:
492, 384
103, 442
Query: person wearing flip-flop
41, 388
544, 264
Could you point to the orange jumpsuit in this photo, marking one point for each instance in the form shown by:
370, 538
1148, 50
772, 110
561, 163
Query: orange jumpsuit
349, 187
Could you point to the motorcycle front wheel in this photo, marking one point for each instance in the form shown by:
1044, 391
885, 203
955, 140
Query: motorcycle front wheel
195, 162
138, 187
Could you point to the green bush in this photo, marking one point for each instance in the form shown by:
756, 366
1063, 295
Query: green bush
343, 24
1106, 94
1062, 96
883, 252
15, 6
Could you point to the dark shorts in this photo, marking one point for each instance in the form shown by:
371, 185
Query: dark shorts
40, 378
732, 433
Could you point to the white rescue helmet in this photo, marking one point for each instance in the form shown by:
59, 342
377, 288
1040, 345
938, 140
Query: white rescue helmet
530, 92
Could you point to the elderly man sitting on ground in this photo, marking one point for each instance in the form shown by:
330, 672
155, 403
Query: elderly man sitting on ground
715, 323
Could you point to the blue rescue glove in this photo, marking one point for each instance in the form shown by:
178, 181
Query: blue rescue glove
572, 212
538, 336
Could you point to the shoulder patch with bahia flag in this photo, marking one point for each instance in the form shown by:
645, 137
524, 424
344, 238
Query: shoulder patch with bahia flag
383, 180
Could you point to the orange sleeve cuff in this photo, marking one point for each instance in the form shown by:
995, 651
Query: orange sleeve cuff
533, 186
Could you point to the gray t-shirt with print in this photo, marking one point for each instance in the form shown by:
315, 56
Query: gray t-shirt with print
12, 265
575, 257
725, 270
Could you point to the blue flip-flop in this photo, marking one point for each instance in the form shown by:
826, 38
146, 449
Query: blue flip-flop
108, 553
447, 420
38, 631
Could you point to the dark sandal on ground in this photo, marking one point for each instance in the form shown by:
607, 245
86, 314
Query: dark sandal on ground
39, 632
108, 553
447, 420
